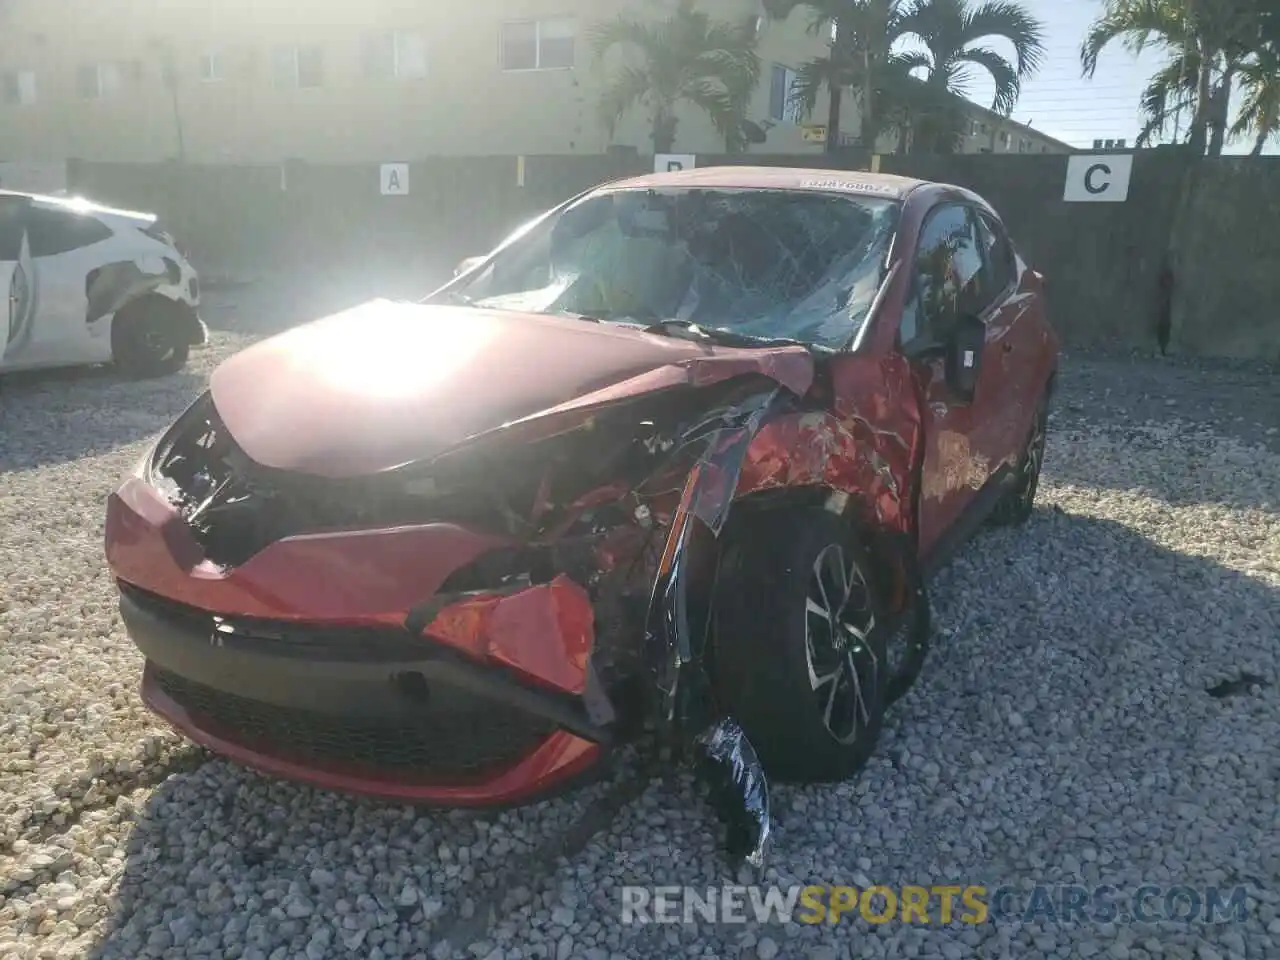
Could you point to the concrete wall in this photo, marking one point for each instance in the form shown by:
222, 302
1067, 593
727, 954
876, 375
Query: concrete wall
1105, 262
1102, 260
1227, 292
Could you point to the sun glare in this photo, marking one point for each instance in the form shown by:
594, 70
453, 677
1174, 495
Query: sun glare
397, 353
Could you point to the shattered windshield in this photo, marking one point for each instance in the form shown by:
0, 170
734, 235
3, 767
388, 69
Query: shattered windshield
767, 264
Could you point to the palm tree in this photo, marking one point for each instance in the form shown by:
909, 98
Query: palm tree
1209, 44
859, 49
863, 57
1259, 111
953, 34
688, 57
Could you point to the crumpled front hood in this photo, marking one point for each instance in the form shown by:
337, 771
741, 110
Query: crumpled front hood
387, 383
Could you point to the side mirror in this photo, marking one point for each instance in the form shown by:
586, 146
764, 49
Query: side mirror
964, 356
467, 265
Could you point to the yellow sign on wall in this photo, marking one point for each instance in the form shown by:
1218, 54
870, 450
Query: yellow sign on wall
814, 134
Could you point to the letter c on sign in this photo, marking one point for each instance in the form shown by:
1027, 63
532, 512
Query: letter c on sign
1088, 178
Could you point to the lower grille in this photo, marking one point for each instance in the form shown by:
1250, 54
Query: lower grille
447, 744
281, 637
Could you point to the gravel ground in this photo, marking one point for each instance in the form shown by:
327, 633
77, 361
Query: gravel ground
1062, 731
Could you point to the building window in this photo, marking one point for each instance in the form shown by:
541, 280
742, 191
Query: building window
98, 81
18, 89
1005, 139
297, 67
782, 84
1023, 144
395, 56
538, 44
211, 68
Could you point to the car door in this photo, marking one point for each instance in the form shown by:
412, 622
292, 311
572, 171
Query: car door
16, 286
1014, 324
66, 245
965, 442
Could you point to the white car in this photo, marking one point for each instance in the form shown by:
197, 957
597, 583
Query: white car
89, 284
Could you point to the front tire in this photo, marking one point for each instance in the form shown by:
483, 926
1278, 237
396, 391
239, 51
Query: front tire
798, 659
148, 338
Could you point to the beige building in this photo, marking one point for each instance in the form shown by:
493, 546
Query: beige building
990, 132
330, 80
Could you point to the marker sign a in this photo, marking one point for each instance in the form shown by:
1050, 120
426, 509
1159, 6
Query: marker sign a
395, 179
1099, 178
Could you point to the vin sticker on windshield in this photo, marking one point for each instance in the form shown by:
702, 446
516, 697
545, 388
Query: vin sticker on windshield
853, 186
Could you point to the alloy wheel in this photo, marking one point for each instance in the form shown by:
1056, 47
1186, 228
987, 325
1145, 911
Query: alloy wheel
844, 672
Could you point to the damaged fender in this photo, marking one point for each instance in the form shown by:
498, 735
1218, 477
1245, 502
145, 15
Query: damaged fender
113, 286
728, 763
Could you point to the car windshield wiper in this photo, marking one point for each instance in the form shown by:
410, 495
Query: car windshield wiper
687, 329
459, 298
452, 296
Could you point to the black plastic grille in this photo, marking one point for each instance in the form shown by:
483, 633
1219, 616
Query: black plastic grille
445, 744
282, 637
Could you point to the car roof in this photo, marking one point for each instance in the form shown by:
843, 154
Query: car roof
78, 205
776, 178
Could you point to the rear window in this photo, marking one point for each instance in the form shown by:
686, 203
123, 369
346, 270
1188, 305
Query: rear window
51, 231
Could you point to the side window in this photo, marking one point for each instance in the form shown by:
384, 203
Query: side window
948, 265
51, 231
999, 271
11, 223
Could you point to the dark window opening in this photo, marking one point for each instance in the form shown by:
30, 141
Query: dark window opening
948, 279
50, 231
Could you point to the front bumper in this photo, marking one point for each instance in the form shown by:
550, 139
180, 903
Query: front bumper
308, 671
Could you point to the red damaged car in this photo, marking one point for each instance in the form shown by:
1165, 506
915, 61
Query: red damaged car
676, 459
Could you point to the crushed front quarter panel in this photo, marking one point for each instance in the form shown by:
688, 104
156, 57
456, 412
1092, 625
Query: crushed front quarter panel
112, 286
730, 766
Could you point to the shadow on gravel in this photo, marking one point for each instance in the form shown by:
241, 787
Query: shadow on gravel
1073, 639
57, 416
1208, 466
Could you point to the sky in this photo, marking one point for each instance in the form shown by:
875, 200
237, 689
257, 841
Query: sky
1060, 102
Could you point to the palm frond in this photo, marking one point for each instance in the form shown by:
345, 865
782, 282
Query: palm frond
626, 87
1005, 75
1135, 23
811, 79
688, 56
712, 100
1001, 18
622, 31
1259, 110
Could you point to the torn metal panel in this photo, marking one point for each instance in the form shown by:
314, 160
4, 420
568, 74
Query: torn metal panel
112, 286
707, 496
738, 789
878, 404
735, 776
816, 449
